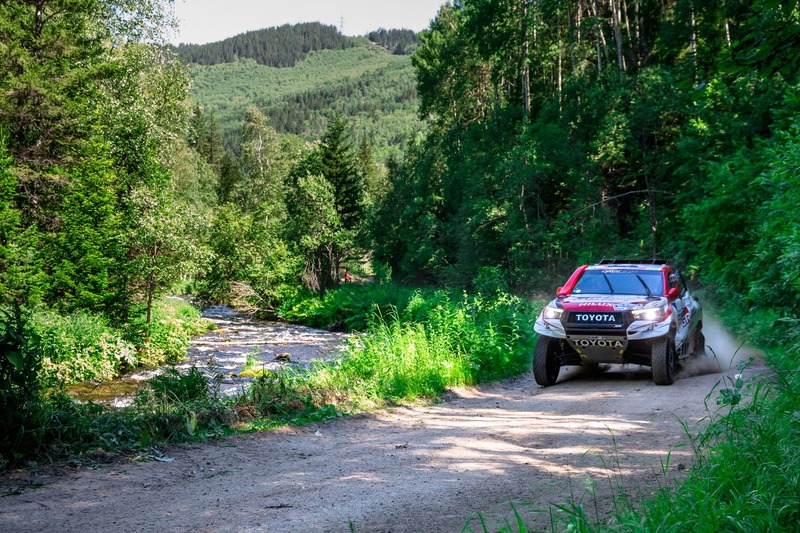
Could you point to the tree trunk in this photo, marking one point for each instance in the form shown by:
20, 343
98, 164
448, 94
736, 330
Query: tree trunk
599, 36
560, 66
149, 318
693, 43
651, 197
615, 8
526, 69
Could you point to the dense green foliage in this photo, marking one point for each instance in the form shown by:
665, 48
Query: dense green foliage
283, 46
562, 137
87, 132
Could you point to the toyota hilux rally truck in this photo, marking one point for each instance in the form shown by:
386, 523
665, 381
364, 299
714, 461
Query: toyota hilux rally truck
618, 312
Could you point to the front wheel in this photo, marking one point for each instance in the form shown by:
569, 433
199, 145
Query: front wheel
663, 361
545, 362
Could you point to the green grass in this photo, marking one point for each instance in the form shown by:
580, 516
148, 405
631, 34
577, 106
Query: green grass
416, 344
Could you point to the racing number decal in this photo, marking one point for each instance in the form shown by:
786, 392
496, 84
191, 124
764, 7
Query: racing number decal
684, 313
686, 316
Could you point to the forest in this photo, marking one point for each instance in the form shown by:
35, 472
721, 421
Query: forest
546, 134
287, 45
283, 46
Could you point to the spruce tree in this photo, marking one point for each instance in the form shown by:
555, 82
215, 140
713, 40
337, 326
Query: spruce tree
339, 166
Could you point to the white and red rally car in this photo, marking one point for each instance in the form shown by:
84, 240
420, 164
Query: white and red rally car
619, 311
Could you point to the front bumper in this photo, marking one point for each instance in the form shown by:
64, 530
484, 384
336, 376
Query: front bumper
629, 341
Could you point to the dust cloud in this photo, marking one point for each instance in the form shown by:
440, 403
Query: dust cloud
723, 351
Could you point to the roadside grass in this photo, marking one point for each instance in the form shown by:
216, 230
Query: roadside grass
414, 344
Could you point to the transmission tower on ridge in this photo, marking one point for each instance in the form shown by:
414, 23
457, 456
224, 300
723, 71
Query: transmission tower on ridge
341, 24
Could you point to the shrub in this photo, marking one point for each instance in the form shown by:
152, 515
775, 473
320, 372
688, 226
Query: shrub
174, 323
350, 306
79, 347
20, 393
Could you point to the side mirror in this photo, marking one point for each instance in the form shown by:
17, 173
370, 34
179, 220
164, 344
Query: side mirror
673, 293
561, 292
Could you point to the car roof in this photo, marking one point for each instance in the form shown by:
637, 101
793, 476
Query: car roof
633, 264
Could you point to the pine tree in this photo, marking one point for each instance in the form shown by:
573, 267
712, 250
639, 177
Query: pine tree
338, 165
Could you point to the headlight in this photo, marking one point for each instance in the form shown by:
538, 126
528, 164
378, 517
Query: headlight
650, 314
552, 313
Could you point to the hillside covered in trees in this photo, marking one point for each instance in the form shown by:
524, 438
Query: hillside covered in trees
283, 46
400, 42
287, 45
369, 80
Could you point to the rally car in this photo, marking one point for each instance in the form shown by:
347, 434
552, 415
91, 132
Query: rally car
619, 312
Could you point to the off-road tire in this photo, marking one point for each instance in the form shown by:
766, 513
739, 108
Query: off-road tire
699, 344
545, 362
663, 361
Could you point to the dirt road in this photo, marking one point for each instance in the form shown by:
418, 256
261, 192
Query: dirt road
428, 468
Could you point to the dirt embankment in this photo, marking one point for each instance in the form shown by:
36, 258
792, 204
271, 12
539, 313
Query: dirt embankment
427, 468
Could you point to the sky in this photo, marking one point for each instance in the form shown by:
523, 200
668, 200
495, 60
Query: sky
205, 21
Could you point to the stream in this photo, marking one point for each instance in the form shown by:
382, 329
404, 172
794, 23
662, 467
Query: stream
237, 338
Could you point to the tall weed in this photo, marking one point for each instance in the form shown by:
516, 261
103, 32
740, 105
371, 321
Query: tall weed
432, 340
20, 393
402, 361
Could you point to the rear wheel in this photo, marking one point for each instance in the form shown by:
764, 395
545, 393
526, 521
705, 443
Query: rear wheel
699, 344
663, 361
545, 362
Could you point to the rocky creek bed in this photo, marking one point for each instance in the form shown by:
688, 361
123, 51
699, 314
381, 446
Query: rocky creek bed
237, 338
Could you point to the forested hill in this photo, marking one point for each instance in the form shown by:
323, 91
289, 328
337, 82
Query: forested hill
286, 45
283, 46
371, 86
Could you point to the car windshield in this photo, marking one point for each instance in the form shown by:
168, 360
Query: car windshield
620, 282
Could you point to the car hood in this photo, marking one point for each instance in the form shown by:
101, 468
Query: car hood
606, 302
